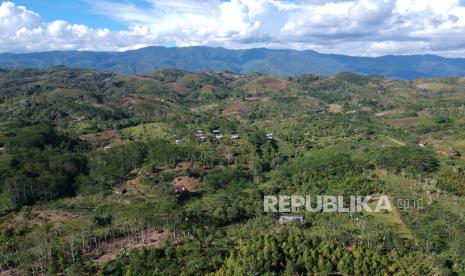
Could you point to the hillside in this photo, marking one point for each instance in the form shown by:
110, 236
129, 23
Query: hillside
164, 173
266, 61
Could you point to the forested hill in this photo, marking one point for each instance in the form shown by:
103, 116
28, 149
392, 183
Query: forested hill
273, 62
164, 173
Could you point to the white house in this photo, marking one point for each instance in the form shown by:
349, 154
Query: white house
288, 219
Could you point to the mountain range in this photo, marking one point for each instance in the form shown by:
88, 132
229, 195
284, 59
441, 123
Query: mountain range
267, 61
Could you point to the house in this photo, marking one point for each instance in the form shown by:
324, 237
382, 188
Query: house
219, 136
288, 219
216, 131
453, 153
178, 141
107, 147
121, 191
180, 191
235, 136
150, 174
423, 143
199, 132
201, 139
269, 135
2, 149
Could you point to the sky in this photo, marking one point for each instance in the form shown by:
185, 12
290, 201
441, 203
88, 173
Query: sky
350, 27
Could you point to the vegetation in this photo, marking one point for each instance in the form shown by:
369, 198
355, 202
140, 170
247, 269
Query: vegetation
164, 173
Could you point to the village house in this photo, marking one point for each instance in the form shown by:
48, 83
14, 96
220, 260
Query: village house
219, 136
216, 131
453, 153
288, 219
107, 147
180, 191
423, 143
121, 191
150, 174
235, 136
178, 141
269, 135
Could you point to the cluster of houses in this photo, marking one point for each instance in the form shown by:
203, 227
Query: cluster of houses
218, 135
200, 136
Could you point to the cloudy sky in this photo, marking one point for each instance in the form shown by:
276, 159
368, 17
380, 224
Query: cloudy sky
353, 27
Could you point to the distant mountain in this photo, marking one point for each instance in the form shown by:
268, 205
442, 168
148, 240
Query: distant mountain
267, 61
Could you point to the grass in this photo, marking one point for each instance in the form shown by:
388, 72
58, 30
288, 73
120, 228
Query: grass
146, 131
391, 221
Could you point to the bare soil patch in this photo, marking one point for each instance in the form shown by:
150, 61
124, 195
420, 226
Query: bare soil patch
109, 137
127, 102
190, 183
261, 83
108, 251
310, 103
54, 216
334, 108
388, 113
140, 77
422, 85
179, 87
406, 122
237, 108
424, 112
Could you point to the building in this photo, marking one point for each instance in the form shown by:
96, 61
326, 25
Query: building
150, 174
121, 191
235, 136
180, 191
216, 131
178, 141
219, 136
269, 135
107, 147
423, 143
289, 219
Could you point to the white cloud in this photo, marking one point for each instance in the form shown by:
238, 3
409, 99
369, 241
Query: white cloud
22, 30
355, 27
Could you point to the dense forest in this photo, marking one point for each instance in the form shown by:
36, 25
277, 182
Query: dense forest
165, 173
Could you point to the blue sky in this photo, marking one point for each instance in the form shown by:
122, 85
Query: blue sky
73, 11
352, 27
